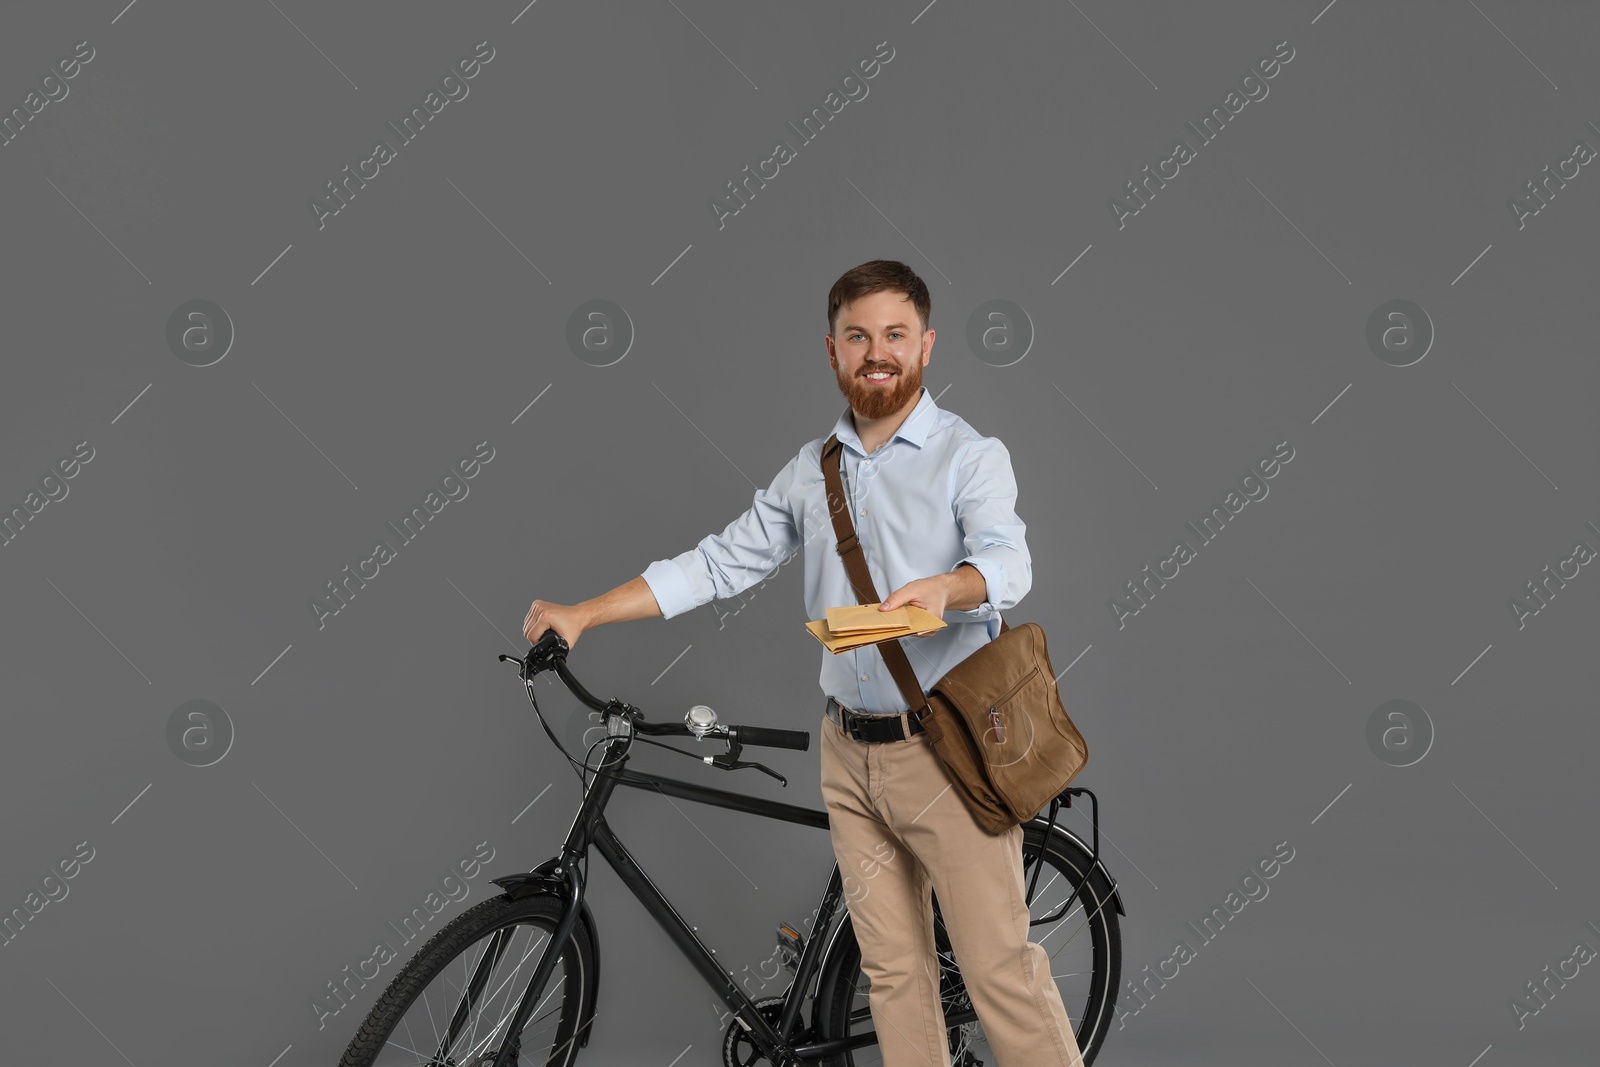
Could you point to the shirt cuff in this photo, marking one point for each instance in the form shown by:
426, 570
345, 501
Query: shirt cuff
993, 578
671, 589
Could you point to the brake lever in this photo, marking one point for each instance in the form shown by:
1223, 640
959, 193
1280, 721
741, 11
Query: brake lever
729, 759
522, 666
732, 764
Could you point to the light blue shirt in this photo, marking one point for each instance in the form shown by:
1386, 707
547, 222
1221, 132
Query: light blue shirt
935, 495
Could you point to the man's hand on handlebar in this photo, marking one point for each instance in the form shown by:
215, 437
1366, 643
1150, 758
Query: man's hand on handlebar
544, 620
568, 620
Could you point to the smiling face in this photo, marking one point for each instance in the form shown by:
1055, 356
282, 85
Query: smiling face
879, 332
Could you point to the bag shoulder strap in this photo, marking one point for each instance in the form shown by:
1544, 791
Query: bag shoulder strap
855, 564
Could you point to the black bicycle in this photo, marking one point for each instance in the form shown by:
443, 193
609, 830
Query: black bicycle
486, 989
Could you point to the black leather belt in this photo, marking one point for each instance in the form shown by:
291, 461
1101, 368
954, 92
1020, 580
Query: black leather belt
874, 728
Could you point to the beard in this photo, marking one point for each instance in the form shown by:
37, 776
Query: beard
875, 401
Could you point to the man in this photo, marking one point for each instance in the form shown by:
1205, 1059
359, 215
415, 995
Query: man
932, 501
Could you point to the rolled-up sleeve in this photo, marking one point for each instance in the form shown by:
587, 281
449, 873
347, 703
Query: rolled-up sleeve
984, 499
724, 565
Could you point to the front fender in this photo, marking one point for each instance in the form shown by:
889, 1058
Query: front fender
542, 880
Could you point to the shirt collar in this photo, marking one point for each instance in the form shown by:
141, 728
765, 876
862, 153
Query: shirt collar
914, 429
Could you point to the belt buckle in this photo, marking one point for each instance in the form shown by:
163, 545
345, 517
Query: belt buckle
848, 719
846, 714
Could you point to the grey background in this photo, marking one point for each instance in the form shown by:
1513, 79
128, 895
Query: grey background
1225, 317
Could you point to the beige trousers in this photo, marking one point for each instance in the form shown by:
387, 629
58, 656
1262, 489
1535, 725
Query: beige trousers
898, 830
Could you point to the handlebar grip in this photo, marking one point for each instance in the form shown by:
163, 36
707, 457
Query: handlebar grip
799, 740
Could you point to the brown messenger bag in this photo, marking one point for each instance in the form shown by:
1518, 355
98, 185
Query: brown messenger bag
995, 719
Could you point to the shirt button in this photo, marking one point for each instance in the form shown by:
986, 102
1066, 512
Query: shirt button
863, 677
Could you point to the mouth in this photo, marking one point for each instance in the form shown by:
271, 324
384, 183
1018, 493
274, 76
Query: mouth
879, 377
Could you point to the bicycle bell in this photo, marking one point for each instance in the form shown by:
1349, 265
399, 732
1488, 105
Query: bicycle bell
700, 719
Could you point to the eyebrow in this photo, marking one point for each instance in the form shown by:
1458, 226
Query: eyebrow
891, 326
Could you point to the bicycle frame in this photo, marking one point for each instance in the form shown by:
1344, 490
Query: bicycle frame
589, 827
560, 876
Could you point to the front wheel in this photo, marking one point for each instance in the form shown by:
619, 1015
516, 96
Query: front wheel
1084, 944
452, 1001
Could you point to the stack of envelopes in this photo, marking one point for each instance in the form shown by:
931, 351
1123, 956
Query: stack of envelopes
851, 627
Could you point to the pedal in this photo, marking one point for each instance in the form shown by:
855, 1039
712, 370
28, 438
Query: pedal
790, 947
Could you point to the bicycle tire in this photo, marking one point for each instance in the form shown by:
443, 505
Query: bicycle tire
456, 940
841, 989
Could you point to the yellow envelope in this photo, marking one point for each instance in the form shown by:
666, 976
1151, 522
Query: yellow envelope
920, 623
865, 618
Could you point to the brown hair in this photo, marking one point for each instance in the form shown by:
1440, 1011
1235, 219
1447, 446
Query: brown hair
876, 276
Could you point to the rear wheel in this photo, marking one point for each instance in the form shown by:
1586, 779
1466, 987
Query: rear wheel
451, 1003
1084, 944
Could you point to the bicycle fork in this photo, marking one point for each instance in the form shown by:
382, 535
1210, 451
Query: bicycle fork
573, 896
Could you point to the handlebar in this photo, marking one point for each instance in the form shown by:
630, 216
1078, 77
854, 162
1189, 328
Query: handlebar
765, 737
550, 653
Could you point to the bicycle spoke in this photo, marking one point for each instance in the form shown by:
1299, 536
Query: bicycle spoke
477, 968
506, 1017
1046, 886
495, 944
470, 989
476, 1040
508, 1009
429, 1009
1089, 918
408, 1032
1057, 927
575, 1035
420, 1057
505, 984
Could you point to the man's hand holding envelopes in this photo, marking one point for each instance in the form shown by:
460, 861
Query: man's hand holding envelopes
856, 625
